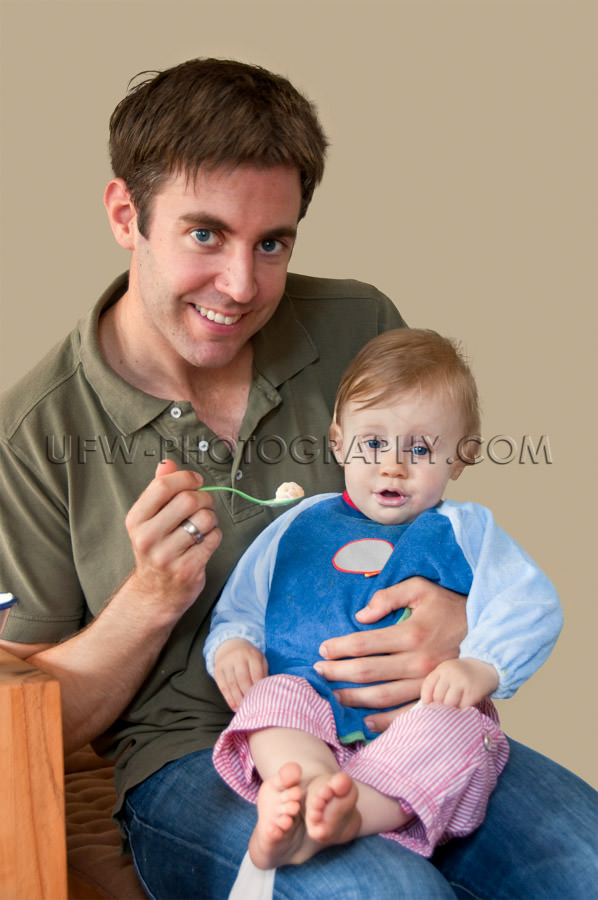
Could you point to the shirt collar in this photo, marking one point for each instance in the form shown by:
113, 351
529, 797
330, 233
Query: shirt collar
348, 500
282, 348
129, 408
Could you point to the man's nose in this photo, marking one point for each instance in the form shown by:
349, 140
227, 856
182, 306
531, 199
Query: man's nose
237, 278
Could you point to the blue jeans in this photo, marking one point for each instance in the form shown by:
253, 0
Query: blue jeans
188, 833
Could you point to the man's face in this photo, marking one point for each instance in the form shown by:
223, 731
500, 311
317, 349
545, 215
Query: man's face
399, 458
212, 270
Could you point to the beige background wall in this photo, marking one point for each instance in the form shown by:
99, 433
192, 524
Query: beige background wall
461, 180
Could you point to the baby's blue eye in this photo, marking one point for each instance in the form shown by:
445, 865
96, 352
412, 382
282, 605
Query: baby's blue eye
420, 450
375, 443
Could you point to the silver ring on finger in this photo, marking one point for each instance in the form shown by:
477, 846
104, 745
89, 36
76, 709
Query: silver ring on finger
193, 530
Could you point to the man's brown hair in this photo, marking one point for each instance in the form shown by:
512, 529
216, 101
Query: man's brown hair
406, 359
212, 113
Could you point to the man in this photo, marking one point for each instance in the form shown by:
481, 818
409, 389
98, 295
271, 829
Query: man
209, 357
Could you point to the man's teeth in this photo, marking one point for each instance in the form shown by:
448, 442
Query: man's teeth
216, 316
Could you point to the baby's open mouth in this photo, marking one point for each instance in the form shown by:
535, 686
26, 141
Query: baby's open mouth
391, 498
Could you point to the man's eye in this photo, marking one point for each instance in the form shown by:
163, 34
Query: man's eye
204, 236
420, 450
270, 245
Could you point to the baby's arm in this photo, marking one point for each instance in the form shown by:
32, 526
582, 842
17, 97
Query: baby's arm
241, 610
459, 682
237, 666
513, 611
239, 616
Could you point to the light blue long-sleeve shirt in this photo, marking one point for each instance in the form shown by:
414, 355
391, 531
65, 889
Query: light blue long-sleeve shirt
513, 611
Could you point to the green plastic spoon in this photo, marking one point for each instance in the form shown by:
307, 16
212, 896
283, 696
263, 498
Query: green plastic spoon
233, 490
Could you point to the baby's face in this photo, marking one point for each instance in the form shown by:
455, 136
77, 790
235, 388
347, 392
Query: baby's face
399, 458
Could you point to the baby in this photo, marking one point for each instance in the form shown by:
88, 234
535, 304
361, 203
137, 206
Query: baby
405, 413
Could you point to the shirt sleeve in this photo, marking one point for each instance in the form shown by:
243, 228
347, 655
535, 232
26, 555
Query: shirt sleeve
36, 560
389, 316
241, 609
514, 615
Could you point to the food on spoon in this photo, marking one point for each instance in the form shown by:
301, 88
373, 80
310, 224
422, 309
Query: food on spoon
288, 490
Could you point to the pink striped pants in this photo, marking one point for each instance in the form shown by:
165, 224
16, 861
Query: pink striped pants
440, 763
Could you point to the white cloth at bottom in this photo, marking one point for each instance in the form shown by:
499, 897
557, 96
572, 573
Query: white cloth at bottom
252, 883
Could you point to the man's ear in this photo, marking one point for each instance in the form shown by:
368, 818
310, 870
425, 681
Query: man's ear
335, 439
122, 215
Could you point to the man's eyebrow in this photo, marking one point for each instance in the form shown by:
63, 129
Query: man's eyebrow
288, 231
206, 220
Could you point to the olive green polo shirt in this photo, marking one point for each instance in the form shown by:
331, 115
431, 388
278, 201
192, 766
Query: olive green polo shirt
77, 447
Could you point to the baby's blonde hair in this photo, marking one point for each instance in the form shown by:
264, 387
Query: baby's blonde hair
407, 359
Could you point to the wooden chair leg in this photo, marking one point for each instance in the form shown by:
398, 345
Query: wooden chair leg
32, 821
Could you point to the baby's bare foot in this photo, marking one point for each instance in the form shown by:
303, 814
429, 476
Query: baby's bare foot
331, 816
280, 828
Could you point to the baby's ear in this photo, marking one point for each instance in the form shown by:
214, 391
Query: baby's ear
467, 451
456, 469
335, 439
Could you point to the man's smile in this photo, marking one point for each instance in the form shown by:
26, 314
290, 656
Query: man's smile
217, 317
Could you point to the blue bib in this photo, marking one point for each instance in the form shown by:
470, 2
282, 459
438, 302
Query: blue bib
330, 562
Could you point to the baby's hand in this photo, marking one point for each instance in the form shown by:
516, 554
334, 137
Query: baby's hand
237, 666
459, 682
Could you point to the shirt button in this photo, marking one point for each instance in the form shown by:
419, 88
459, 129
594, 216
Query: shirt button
488, 742
238, 475
203, 446
176, 412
